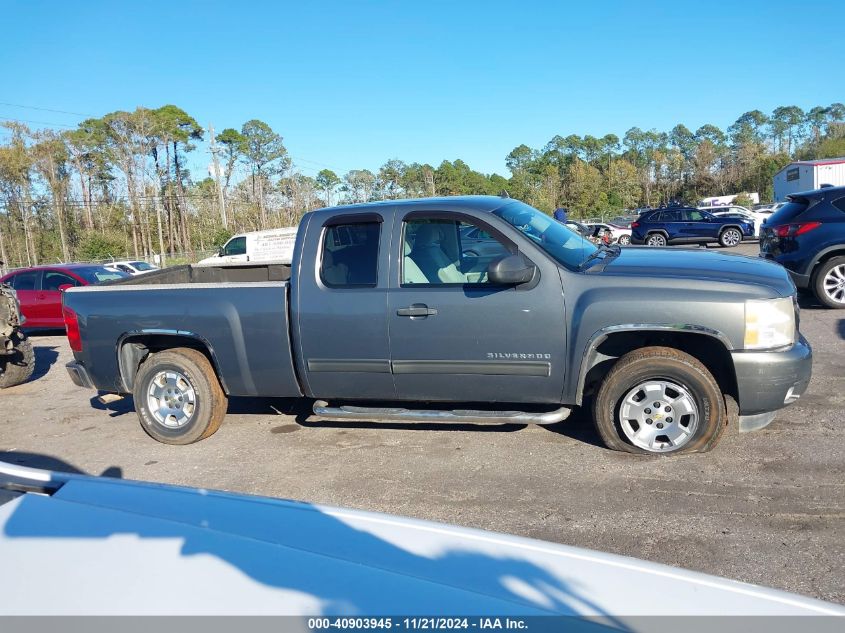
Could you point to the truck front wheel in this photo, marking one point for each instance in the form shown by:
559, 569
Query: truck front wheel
178, 397
659, 400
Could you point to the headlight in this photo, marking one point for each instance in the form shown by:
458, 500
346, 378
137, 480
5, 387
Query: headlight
769, 323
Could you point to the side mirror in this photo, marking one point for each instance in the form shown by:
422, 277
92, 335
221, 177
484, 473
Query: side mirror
220, 252
64, 287
510, 270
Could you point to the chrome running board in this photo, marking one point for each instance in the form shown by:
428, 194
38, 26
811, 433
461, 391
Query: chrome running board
398, 414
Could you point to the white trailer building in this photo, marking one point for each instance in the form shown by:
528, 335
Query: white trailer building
805, 175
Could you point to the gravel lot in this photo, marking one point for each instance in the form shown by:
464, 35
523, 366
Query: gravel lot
766, 507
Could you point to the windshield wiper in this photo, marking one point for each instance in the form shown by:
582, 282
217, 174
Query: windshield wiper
610, 252
600, 248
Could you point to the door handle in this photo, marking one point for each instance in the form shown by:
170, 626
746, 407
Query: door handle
417, 310
41, 295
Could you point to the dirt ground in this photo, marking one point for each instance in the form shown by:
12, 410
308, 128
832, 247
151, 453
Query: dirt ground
766, 507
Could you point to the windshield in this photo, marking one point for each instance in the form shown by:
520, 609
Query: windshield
97, 274
142, 266
562, 243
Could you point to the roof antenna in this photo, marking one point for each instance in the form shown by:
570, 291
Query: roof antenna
504, 194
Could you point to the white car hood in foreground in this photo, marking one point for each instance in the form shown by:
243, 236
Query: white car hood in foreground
108, 546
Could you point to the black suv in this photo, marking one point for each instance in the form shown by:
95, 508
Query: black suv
807, 237
685, 225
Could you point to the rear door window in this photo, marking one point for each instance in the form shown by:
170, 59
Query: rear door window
350, 255
839, 204
26, 280
53, 279
670, 216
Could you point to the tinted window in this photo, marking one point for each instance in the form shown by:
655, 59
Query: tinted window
670, 216
350, 255
142, 266
839, 204
25, 281
787, 212
695, 216
235, 246
53, 279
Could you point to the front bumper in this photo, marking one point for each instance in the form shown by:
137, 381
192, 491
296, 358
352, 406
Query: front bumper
79, 375
768, 381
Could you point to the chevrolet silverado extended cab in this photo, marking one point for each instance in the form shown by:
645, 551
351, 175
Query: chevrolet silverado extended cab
383, 316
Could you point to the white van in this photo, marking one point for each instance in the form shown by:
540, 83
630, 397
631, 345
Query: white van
273, 245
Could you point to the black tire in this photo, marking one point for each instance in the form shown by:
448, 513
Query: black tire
17, 368
660, 363
209, 406
730, 237
828, 297
655, 239
624, 240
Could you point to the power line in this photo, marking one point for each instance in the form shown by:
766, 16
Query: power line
26, 107
5, 118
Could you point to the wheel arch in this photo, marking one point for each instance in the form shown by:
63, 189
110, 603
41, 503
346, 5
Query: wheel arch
824, 255
605, 347
134, 347
731, 226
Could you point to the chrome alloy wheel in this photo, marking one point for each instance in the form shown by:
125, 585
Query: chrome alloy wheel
171, 399
731, 237
656, 239
834, 284
658, 416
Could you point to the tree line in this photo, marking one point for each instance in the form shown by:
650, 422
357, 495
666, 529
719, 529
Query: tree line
118, 186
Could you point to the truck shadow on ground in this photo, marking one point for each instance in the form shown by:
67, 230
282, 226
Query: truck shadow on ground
45, 358
578, 426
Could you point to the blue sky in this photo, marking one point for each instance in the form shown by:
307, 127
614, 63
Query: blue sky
352, 84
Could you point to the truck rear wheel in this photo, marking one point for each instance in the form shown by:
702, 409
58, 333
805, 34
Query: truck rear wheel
659, 400
17, 367
178, 397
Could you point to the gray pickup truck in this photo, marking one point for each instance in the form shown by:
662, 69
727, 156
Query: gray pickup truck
384, 315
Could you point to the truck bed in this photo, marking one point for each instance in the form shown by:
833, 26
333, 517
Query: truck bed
239, 314
240, 273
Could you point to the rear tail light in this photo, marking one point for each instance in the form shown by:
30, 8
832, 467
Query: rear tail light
635, 225
72, 325
793, 230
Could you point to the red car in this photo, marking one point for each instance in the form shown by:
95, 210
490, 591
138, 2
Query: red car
40, 289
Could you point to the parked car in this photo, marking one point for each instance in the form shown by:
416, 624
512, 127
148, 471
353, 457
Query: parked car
39, 289
381, 305
132, 267
737, 212
476, 242
618, 234
578, 228
273, 245
807, 237
17, 360
686, 225
624, 220
741, 215
101, 545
